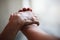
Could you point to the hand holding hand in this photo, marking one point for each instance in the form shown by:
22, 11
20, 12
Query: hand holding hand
29, 16
24, 17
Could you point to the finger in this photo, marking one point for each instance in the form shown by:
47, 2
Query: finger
35, 20
27, 22
20, 11
24, 9
29, 9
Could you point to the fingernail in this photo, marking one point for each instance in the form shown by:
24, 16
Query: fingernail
29, 9
20, 11
24, 9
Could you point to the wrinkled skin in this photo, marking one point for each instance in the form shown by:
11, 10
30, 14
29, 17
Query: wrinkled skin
24, 17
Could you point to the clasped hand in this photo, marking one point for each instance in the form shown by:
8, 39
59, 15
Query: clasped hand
24, 17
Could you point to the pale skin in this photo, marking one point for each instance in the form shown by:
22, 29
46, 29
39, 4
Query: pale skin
15, 24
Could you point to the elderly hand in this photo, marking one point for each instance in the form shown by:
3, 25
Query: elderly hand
29, 16
24, 17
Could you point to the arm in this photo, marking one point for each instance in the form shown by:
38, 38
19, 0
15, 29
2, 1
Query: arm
32, 32
14, 25
10, 31
16, 22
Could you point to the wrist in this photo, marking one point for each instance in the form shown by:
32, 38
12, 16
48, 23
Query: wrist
32, 26
29, 28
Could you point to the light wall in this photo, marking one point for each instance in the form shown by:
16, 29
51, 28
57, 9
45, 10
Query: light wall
48, 12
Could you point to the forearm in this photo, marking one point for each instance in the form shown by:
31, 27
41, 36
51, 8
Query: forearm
32, 33
10, 31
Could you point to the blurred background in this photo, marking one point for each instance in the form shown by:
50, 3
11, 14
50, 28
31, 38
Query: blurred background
48, 12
